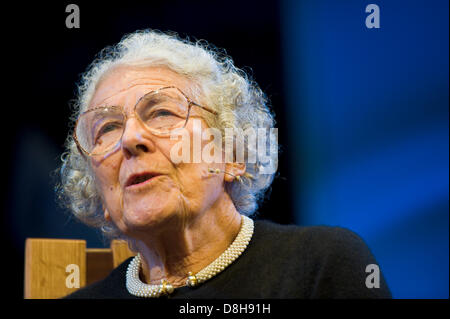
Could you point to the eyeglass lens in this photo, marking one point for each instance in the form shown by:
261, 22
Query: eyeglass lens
99, 130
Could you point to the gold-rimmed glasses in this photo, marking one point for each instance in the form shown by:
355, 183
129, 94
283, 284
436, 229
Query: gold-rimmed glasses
100, 129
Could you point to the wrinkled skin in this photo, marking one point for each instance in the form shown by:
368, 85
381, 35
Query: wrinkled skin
180, 220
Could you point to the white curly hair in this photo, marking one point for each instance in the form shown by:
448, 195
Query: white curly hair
237, 99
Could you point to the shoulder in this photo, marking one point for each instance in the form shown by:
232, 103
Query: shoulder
314, 237
112, 287
319, 244
329, 261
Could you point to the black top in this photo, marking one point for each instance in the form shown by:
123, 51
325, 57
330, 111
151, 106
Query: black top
281, 261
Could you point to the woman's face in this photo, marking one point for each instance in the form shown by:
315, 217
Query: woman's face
175, 192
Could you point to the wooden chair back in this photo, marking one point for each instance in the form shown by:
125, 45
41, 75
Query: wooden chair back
55, 268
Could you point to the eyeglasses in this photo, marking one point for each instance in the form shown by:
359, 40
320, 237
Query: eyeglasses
100, 130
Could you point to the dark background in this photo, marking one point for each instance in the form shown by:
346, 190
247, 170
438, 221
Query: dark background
362, 117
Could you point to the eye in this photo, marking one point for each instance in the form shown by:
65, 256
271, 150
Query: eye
162, 113
108, 128
105, 129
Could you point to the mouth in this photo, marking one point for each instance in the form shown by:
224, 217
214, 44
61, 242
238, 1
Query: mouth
136, 180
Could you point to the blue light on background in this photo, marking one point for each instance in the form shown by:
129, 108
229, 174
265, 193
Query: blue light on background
370, 126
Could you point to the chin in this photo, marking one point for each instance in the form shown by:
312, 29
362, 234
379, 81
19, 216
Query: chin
150, 214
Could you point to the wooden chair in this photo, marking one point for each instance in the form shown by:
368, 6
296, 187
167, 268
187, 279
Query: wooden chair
55, 268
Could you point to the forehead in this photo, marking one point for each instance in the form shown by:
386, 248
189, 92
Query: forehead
124, 85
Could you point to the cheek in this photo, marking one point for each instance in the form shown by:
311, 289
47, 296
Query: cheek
164, 146
197, 185
196, 182
107, 179
106, 170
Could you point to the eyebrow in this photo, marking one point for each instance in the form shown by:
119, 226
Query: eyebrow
148, 99
95, 120
155, 98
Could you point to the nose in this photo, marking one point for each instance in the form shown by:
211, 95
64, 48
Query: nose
135, 139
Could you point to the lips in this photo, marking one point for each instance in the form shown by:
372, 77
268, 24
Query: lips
138, 179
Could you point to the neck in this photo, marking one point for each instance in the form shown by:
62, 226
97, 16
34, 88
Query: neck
172, 254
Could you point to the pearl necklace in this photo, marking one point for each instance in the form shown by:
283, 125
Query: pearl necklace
137, 288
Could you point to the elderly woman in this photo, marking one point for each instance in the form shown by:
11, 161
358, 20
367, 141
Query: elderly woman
188, 221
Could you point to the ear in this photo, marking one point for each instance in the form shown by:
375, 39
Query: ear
237, 169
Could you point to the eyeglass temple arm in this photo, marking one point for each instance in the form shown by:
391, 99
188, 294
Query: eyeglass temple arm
204, 107
83, 153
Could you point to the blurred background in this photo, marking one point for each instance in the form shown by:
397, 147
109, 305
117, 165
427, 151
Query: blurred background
362, 117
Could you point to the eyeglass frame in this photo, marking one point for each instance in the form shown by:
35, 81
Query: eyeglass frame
190, 104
